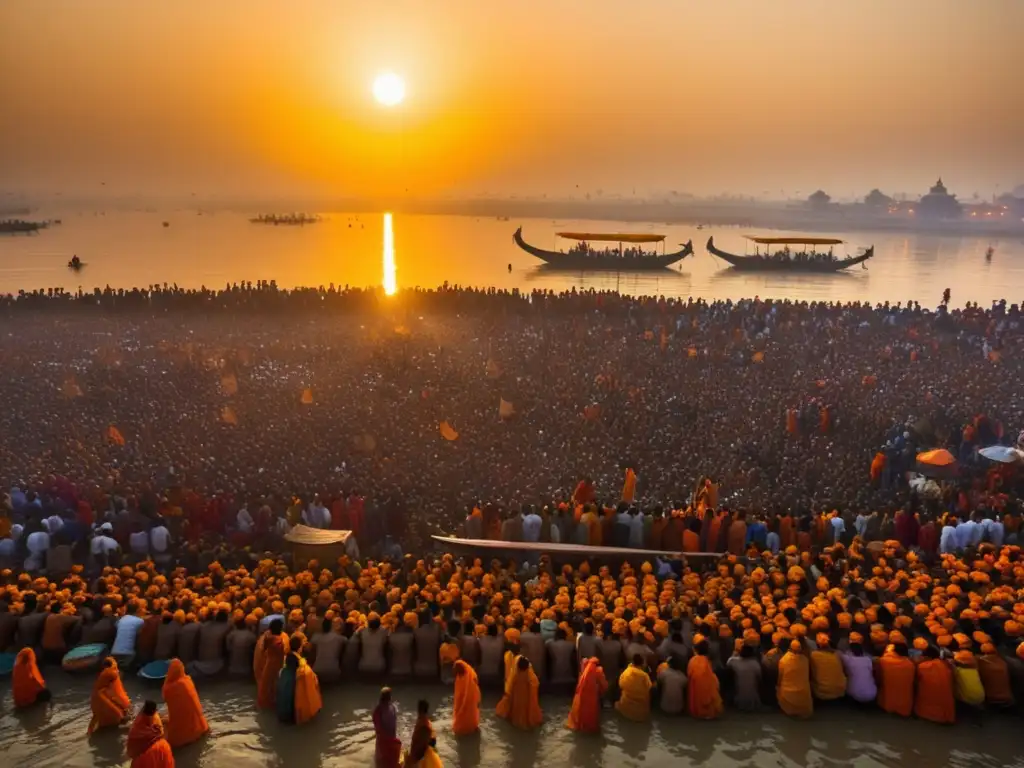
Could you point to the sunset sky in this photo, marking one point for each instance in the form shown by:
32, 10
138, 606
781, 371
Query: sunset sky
263, 98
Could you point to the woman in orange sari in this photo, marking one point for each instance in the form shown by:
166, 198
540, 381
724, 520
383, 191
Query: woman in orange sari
585, 714
270, 653
520, 705
702, 695
934, 700
308, 701
896, 681
109, 701
27, 684
147, 746
466, 708
185, 721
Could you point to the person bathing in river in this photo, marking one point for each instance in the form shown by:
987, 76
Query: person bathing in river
521, 705
147, 747
185, 720
466, 706
27, 684
585, 714
388, 748
109, 701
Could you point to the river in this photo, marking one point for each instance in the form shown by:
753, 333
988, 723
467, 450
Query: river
342, 735
125, 249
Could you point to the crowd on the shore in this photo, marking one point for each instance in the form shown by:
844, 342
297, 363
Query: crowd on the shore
154, 440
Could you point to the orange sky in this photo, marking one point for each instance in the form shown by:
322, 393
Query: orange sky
263, 98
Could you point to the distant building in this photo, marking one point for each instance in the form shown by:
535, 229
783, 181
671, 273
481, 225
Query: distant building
819, 200
939, 204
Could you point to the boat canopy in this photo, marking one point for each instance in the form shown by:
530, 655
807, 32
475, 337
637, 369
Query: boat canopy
623, 237
795, 240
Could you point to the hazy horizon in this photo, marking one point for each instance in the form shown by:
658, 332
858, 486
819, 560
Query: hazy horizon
260, 100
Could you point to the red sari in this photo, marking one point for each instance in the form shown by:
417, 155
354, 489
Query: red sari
586, 704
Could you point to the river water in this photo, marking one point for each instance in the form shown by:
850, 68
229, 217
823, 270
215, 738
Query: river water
125, 249
342, 735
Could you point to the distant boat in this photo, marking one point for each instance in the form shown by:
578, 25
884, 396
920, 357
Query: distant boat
786, 261
167, 223
21, 227
582, 256
287, 219
76, 263
989, 253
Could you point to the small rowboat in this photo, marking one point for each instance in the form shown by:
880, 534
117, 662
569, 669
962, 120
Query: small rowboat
155, 670
84, 657
7, 663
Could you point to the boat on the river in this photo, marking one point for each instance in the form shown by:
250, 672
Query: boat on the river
21, 226
783, 258
286, 219
584, 256
76, 263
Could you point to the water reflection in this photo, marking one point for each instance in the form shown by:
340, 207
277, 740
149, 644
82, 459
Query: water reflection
390, 278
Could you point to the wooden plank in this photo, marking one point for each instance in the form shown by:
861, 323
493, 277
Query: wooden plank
565, 550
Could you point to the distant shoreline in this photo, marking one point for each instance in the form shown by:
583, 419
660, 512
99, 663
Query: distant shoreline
709, 213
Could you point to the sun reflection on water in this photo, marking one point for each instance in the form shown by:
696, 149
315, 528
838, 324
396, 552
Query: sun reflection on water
390, 281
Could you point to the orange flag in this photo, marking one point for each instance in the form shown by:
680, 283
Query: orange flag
114, 435
447, 432
629, 487
307, 396
227, 415
229, 385
505, 409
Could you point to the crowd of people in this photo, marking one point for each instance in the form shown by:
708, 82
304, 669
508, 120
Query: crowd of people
584, 248
155, 440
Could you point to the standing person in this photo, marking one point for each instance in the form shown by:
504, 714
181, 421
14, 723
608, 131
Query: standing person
585, 714
269, 659
466, 707
27, 684
794, 686
388, 749
185, 720
147, 746
520, 705
422, 735
109, 701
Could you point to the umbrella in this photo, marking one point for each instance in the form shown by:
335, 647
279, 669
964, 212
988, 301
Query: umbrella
940, 457
1004, 454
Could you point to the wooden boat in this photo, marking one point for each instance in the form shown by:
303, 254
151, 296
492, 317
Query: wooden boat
583, 258
76, 264
785, 261
21, 227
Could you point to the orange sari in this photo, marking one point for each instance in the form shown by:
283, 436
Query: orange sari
466, 708
520, 705
109, 701
935, 700
586, 704
272, 650
308, 701
147, 746
26, 680
185, 721
703, 699
896, 688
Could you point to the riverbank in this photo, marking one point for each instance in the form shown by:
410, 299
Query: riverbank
342, 734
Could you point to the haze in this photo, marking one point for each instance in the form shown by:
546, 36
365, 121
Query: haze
267, 99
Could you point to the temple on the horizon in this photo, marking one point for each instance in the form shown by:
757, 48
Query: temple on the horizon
939, 204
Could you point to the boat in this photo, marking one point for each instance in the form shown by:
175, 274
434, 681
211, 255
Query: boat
287, 219
583, 256
75, 263
21, 227
786, 260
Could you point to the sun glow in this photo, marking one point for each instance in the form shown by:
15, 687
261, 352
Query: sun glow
389, 89
390, 280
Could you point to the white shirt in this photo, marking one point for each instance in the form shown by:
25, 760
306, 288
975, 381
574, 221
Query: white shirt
317, 516
54, 523
838, 527
127, 631
38, 543
281, 527
139, 543
245, 521
947, 540
159, 538
103, 545
531, 527
860, 525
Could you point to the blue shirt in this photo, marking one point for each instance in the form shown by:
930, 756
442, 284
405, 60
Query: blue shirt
127, 631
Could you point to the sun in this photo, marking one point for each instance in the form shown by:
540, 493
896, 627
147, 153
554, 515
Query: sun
389, 89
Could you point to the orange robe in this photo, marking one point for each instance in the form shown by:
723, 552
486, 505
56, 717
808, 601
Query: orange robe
147, 746
794, 686
787, 536
521, 704
185, 721
585, 714
466, 708
109, 701
702, 696
935, 700
308, 701
691, 541
26, 680
273, 649
995, 677
896, 684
